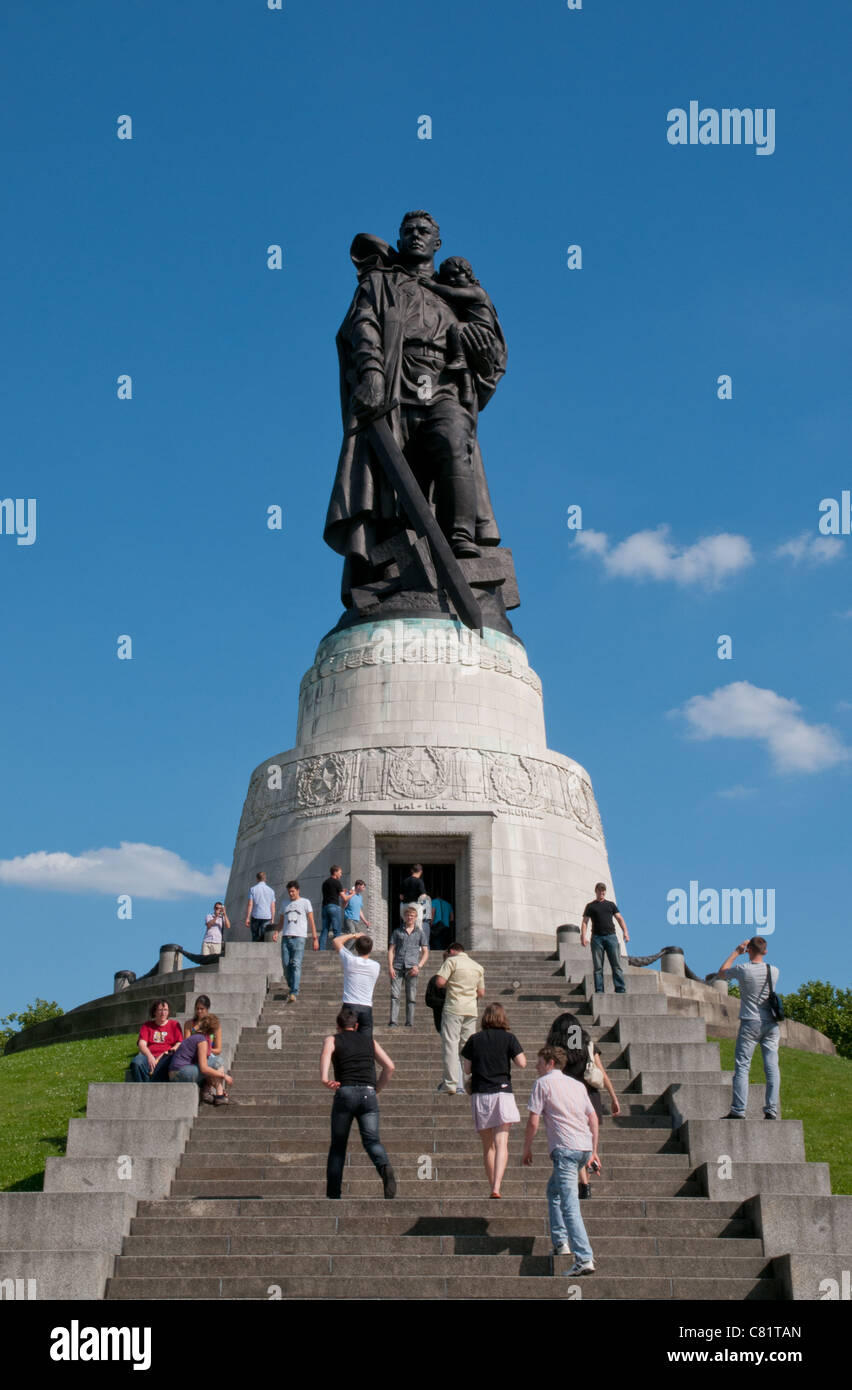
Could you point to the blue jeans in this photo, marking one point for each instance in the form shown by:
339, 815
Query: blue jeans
401, 974
767, 1033
352, 1103
292, 954
607, 945
332, 917
188, 1073
139, 1068
563, 1201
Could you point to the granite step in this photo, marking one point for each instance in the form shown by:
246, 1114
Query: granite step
444, 1288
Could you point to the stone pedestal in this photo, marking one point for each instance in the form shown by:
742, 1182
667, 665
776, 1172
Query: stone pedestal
419, 740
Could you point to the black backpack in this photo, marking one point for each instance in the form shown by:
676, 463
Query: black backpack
773, 1002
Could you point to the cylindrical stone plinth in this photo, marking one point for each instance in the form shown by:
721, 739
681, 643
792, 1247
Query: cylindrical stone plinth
418, 740
672, 963
567, 940
171, 958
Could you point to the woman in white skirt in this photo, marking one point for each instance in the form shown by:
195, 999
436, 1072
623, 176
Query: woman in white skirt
487, 1059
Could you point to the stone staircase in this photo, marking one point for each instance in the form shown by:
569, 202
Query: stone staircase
247, 1218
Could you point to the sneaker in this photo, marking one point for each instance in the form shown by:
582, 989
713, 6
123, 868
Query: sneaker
393, 1025
578, 1267
409, 1025
770, 1117
294, 999
562, 1250
731, 1116
388, 1180
447, 1090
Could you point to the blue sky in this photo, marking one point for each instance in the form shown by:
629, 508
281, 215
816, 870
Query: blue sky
299, 127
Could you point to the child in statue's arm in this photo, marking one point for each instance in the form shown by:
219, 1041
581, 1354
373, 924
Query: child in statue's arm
456, 283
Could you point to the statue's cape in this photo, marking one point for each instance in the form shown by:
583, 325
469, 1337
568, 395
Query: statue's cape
363, 503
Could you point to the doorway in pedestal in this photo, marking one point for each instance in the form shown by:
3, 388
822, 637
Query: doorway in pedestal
440, 881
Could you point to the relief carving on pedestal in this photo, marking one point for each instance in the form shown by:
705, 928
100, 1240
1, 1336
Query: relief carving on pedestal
512, 781
418, 773
323, 779
433, 778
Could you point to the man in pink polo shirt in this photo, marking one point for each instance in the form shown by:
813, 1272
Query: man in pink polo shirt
572, 1141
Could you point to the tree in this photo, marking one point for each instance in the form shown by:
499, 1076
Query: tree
822, 1006
33, 1013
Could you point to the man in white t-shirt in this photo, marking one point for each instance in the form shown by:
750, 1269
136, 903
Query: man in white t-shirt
359, 977
260, 910
293, 923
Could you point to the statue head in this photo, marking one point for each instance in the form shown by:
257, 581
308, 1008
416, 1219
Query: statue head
419, 237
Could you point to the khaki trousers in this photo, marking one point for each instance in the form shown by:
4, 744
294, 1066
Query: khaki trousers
455, 1031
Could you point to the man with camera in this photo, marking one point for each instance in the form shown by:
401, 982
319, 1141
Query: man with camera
757, 981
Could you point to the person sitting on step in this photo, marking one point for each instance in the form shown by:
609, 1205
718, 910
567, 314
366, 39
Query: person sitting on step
158, 1039
190, 1062
193, 1025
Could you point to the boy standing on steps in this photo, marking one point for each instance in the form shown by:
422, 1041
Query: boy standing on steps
407, 955
572, 1141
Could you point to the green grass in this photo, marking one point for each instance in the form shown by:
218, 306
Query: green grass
818, 1091
40, 1091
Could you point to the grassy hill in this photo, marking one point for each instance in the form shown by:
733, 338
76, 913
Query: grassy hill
818, 1091
41, 1090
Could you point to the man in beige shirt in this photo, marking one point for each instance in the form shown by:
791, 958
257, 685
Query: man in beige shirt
464, 979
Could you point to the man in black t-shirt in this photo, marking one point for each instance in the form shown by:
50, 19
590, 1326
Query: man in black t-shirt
413, 888
603, 916
334, 899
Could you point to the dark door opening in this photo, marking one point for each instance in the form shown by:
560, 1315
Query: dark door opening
440, 881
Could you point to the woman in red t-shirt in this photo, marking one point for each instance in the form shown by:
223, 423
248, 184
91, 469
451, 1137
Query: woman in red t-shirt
158, 1039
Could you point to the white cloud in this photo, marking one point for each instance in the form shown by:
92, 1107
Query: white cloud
652, 555
736, 793
143, 871
743, 710
808, 549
